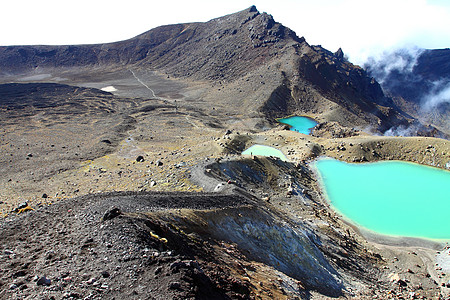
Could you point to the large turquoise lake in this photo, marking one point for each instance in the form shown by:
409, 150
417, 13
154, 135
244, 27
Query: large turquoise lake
299, 124
392, 197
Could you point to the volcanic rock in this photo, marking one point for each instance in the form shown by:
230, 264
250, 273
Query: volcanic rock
43, 281
111, 213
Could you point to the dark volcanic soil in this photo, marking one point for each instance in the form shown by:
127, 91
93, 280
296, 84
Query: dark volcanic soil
84, 253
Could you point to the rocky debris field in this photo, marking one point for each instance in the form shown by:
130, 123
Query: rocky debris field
252, 239
164, 206
101, 246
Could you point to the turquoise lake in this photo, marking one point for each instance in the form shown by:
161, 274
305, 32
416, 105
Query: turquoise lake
299, 124
391, 197
264, 151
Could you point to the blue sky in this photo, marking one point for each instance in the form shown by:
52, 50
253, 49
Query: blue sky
362, 28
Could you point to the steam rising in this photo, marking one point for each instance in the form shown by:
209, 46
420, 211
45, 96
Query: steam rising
382, 66
439, 95
406, 72
410, 130
395, 70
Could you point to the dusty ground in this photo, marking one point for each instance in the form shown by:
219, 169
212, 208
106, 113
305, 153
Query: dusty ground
229, 242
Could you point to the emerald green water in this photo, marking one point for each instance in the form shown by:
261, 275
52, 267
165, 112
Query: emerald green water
299, 124
392, 197
264, 151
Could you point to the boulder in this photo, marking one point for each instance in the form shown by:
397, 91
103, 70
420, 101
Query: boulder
111, 213
43, 281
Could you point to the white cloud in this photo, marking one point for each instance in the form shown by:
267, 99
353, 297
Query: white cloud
364, 28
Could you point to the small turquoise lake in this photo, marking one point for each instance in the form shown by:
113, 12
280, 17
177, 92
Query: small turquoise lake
263, 150
299, 124
390, 197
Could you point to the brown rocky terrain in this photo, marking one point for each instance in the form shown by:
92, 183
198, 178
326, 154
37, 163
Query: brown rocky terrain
142, 193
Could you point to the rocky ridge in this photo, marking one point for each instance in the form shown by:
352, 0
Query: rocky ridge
236, 54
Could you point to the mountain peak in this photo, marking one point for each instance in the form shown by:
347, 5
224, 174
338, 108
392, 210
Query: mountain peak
252, 9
